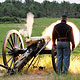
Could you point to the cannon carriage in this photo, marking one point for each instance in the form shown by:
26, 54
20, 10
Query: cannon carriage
15, 56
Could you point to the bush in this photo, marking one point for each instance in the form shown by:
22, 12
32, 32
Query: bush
8, 19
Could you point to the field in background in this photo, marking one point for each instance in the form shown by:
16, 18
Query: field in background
39, 25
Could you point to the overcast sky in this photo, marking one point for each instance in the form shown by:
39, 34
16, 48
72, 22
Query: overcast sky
71, 1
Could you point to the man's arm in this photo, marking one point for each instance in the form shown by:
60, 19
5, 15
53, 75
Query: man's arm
53, 38
72, 39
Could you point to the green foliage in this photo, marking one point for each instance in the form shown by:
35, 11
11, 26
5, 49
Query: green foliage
8, 19
45, 9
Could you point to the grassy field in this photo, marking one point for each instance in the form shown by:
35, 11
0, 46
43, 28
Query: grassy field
48, 73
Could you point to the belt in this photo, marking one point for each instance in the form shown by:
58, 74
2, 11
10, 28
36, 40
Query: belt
64, 39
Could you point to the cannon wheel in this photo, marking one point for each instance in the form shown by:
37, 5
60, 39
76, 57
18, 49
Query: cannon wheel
54, 61
12, 40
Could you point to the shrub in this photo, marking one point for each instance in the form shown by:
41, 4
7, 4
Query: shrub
8, 19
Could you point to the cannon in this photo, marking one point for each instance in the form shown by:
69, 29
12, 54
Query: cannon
15, 56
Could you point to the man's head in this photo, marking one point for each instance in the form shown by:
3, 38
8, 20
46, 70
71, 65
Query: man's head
64, 17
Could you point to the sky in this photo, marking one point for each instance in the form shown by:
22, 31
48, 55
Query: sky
71, 1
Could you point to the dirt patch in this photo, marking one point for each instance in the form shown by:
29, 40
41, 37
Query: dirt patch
26, 76
39, 75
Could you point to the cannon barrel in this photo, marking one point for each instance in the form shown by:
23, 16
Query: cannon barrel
33, 47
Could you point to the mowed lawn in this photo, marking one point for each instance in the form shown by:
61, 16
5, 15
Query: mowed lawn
45, 60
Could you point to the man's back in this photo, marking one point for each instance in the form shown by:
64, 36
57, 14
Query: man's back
62, 30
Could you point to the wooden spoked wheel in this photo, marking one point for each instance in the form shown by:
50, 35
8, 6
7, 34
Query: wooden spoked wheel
12, 40
54, 59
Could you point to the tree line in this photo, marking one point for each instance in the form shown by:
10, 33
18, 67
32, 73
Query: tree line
17, 8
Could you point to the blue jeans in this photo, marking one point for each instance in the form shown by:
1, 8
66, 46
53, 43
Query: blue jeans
63, 56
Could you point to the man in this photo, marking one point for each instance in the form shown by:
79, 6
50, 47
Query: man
63, 34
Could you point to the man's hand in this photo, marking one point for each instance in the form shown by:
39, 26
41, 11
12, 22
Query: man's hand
53, 48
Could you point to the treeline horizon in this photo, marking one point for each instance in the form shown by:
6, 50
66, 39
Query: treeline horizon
17, 8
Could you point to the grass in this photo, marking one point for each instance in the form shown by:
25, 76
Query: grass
40, 76
45, 60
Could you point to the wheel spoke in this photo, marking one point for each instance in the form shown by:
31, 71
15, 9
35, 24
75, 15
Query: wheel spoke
12, 40
19, 44
14, 37
17, 38
9, 48
9, 59
11, 62
10, 44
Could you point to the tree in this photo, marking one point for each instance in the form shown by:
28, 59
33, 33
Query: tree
45, 9
29, 2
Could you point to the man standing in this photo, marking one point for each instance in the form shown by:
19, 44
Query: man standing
63, 34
